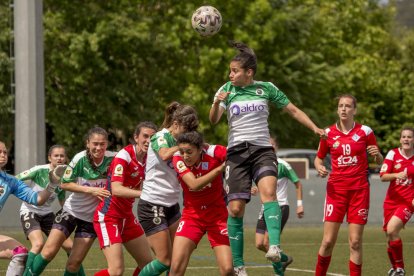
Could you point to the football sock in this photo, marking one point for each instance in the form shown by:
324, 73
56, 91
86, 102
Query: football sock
354, 269
18, 261
39, 264
103, 272
278, 269
154, 268
322, 265
397, 253
68, 273
30, 258
235, 230
283, 257
136, 271
273, 218
390, 256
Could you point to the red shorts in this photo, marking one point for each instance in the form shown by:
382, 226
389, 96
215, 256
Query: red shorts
112, 230
353, 203
194, 224
403, 212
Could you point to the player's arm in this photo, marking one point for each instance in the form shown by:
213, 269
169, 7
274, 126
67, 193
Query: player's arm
166, 153
300, 212
374, 151
302, 118
95, 191
197, 183
121, 191
216, 110
320, 168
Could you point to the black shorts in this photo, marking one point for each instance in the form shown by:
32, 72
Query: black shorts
246, 163
155, 218
67, 223
261, 223
32, 221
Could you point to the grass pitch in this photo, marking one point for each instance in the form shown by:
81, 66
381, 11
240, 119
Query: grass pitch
300, 242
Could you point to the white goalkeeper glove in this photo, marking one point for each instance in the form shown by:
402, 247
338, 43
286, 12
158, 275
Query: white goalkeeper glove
54, 177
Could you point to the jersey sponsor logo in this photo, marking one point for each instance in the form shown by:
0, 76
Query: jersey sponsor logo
336, 144
363, 213
247, 108
384, 168
356, 137
204, 166
347, 160
119, 170
181, 166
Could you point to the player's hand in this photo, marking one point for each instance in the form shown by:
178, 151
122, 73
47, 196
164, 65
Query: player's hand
100, 193
320, 132
54, 177
254, 190
300, 212
322, 171
222, 96
373, 150
402, 175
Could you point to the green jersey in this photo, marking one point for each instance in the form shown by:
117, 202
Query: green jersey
80, 171
161, 184
284, 173
37, 178
248, 110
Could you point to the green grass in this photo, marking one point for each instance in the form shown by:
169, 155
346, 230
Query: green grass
300, 242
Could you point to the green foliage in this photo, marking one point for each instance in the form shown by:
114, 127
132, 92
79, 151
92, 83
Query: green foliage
115, 63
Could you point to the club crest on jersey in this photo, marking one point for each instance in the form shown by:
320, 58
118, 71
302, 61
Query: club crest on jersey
397, 166
119, 170
336, 144
181, 166
356, 137
204, 166
259, 91
161, 140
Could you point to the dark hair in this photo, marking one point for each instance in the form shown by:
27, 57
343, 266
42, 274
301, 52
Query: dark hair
246, 57
146, 124
407, 128
354, 100
168, 113
95, 130
186, 116
193, 138
49, 152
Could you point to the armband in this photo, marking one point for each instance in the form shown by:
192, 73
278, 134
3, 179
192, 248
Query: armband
299, 203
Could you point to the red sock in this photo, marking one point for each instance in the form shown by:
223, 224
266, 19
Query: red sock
322, 265
390, 256
397, 253
354, 269
103, 272
136, 271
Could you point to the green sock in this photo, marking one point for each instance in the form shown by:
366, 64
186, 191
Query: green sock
39, 264
284, 257
278, 269
81, 271
235, 230
154, 268
29, 262
273, 219
67, 273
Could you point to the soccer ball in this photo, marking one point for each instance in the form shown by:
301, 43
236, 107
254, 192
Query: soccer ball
206, 20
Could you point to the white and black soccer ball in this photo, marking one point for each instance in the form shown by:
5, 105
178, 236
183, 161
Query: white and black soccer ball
206, 20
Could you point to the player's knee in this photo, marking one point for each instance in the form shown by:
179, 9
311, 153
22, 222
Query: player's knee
73, 264
328, 244
37, 246
355, 244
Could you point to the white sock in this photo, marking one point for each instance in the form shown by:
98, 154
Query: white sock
17, 264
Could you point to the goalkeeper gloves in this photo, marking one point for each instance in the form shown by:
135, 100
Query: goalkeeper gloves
54, 177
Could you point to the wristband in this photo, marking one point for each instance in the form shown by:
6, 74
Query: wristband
299, 203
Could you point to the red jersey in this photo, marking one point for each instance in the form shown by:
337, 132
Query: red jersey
125, 168
399, 191
349, 156
213, 193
